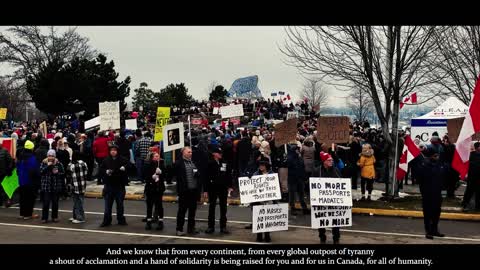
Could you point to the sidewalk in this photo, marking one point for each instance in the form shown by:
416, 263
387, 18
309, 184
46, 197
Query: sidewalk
407, 205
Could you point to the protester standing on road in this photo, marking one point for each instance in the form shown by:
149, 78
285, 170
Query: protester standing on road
76, 174
327, 170
142, 145
52, 185
431, 174
296, 179
367, 167
264, 168
114, 167
28, 179
219, 184
188, 190
154, 171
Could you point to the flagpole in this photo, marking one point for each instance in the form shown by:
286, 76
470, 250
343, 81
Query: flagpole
189, 131
395, 159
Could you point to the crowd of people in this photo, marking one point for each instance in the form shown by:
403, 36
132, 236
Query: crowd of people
59, 164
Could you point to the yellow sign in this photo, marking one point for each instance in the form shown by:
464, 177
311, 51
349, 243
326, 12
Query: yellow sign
163, 116
3, 113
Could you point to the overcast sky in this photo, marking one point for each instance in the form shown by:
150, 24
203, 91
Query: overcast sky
198, 55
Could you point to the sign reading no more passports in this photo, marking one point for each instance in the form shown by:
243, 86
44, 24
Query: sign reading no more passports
330, 191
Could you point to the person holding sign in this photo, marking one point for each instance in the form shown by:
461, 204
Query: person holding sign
367, 170
154, 188
327, 170
52, 184
263, 169
219, 184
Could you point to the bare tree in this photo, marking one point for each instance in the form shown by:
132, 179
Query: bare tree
457, 62
360, 103
28, 48
315, 94
386, 61
12, 98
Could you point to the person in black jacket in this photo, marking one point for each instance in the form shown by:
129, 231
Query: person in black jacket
188, 189
296, 179
154, 171
41, 151
219, 183
244, 152
431, 174
327, 170
114, 167
124, 145
473, 179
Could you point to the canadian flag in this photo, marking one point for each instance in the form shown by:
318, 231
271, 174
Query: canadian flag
410, 151
288, 97
471, 125
412, 99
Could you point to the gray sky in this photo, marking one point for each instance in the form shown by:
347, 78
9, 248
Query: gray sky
198, 55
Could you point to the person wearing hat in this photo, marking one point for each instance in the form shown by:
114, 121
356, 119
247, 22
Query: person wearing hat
28, 180
52, 175
114, 168
218, 185
431, 174
328, 170
264, 168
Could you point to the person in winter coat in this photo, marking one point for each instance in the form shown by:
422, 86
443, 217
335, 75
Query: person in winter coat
328, 170
100, 151
452, 175
431, 173
367, 170
6, 168
296, 178
114, 168
28, 179
76, 174
244, 151
154, 171
52, 185
263, 169
41, 152
473, 179
218, 184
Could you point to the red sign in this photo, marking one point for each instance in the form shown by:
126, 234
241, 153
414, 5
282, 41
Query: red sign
235, 121
10, 145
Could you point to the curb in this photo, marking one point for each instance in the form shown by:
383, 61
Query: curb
368, 211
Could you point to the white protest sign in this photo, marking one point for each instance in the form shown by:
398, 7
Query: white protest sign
92, 123
109, 115
270, 218
259, 188
231, 111
216, 110
291, 115
331, 216
131, 124
330, 191
173, 137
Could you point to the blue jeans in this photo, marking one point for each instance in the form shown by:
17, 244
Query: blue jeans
139, 164
110, 195
78, 200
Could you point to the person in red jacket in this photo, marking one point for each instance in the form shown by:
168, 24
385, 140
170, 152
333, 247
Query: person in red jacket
100, 150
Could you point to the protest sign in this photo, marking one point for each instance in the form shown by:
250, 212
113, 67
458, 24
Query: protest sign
285, 132
174, 137
331, 216
259, 188
163, 116
11, 145
231, 111
330, 191
291, 115
270, 218
92, 123
216, 110
109, 115
454, 126
333, 129
10, 183
3, 113
131, 124
43, 129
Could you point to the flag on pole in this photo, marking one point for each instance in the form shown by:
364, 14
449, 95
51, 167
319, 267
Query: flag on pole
410, 151
274, 94
412, 99
471, 125
281, 93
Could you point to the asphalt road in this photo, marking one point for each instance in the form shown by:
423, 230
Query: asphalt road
365, 229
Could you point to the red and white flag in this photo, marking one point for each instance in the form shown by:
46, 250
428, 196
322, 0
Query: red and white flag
412, 99
410, 151
288, 97
471, 125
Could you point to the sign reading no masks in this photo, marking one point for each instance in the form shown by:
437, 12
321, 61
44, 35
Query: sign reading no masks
259, 188
163, 116
109, 115
333, 129
331, 216
330, 191
231, 111
270, 218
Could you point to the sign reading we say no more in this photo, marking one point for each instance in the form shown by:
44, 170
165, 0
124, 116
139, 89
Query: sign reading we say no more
270, 218
331, 216
109, 115
330, 191
259, 188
